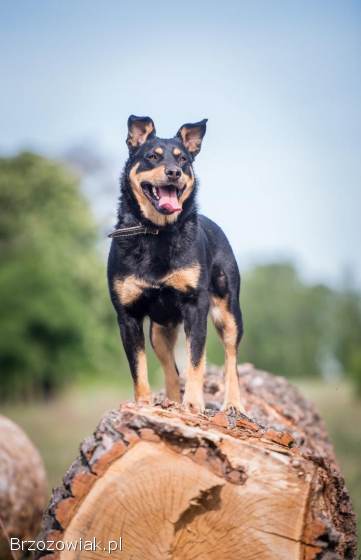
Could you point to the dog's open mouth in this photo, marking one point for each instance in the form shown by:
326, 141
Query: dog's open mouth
164, 198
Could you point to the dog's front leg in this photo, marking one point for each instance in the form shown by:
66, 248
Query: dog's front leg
195, 327
131, 331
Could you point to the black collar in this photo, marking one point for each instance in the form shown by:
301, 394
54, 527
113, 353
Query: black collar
133, 230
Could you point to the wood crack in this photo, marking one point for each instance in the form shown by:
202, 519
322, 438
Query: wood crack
286, 537
206, 500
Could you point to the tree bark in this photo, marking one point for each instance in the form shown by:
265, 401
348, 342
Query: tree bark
181, 486
23, 487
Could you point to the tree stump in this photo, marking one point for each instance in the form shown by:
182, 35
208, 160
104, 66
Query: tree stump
23, 487
182, 486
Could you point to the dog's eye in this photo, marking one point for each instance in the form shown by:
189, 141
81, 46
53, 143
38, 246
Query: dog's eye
152, 157
182, 159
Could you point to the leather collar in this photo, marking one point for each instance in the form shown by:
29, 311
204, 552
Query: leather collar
133, 230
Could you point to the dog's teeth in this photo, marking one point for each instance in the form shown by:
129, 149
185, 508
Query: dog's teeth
154, 190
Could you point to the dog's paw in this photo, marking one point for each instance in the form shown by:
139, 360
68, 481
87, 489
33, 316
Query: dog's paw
233, 408
145, 400
193, 405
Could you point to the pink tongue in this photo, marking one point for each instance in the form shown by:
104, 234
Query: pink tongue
168, 200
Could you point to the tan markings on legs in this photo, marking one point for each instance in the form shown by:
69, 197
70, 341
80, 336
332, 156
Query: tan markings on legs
163, 342
193, 393
227, 329
129, 289
183, 278
141, 385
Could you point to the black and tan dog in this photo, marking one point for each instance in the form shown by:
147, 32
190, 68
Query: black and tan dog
171, 264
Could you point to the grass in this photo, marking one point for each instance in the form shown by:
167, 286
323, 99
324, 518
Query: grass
57, 427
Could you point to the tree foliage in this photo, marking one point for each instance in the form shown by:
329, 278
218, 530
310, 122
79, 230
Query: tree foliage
347, 335
54, 315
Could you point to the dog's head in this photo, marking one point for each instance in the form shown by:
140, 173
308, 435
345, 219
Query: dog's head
160, 173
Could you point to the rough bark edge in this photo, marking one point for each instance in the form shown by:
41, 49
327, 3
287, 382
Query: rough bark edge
295, 430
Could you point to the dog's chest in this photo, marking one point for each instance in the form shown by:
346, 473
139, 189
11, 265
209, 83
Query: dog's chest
130, 288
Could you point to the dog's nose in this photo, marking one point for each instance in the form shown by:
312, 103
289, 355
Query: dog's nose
173, 172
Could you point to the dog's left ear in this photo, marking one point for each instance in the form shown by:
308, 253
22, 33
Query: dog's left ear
192, 136
139, 130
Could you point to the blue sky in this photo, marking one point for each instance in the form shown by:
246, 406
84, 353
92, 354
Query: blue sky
280, 82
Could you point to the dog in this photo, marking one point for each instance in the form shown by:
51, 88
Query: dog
173, 265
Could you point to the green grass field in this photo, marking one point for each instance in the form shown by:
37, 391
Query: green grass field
58, 427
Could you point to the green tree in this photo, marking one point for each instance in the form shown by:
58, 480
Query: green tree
347, 333
55, 319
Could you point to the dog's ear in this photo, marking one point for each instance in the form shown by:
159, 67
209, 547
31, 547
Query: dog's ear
191, 135
139, 130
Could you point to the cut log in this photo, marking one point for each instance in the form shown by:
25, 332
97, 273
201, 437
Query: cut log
23, 487
182, 486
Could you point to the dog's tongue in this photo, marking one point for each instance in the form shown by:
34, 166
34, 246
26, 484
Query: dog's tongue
168, 200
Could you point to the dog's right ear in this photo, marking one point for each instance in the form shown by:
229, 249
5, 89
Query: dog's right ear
139, 130
191, 135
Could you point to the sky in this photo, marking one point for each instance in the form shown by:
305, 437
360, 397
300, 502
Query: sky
279, 81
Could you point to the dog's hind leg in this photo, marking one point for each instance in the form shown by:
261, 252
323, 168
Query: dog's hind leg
131, 331
163, 339
227, 318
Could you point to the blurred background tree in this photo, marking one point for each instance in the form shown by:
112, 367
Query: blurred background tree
54, 317
347, 332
